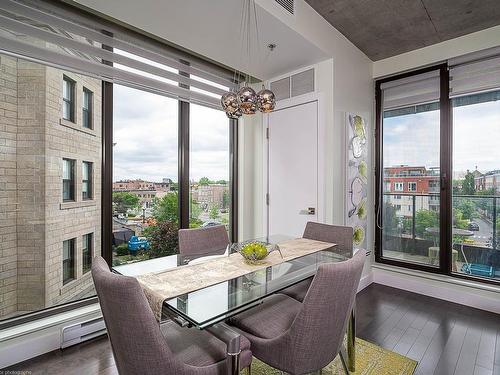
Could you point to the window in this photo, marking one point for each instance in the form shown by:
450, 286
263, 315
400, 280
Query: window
68, 98
476, 197
87, 180
141, 160
398, 186
87, 245
87, 108
68, 263
209, 167
81, 101
410, 135
451, 227
68, 180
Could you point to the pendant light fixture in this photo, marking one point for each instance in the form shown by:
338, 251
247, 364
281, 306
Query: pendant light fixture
245, 101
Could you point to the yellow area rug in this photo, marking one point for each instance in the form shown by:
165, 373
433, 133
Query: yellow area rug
370, 360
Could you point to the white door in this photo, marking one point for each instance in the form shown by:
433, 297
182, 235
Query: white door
293, 169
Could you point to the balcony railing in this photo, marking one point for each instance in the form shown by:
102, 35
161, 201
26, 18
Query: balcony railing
411, 229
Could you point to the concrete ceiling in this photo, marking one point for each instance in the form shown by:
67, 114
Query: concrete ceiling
212, 29
385, 28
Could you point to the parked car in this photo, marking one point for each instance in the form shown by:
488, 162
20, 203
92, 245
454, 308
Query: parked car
473, 226
210, 224
138, 243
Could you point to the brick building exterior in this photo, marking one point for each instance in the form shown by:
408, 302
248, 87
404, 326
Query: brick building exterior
34, 219
409, 187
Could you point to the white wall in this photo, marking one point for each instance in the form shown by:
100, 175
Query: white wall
345, 82
438, 52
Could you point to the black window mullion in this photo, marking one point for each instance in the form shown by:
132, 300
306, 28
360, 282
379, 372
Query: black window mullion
233, 178
183, 164
184, 143
445, 209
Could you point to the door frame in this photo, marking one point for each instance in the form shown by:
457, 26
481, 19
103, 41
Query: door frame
321, 142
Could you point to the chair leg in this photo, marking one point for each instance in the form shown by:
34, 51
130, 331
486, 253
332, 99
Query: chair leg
344, 363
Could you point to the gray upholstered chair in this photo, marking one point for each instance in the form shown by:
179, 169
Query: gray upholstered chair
203, 241
141, 346
340, 235
304, 337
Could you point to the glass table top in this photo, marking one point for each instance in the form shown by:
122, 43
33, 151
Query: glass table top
205, 307
210, 305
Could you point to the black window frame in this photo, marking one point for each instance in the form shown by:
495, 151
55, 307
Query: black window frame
89, 166
68, 265
87, 252
445, 188
71, 181
71, 100
88, 112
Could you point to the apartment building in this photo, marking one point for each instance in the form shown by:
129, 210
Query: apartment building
50, 173
412, 188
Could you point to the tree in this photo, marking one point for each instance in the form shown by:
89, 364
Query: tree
166, 208
425, 219
221, 182
163, 239
390, 219
468, 186
204, 181
467, 207
213, 213
124, 201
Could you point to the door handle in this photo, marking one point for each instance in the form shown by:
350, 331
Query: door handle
308, 211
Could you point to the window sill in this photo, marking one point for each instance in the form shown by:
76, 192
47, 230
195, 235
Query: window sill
67, 286
74, 126
71, 205
437, 277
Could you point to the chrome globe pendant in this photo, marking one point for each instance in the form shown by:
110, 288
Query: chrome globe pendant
266, 101
230, 105
247, 99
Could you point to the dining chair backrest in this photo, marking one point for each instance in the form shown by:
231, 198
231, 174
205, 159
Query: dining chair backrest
203, 241
338, 234
318, 330
137, 342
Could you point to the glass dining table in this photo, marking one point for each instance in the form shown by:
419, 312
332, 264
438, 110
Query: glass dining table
209, 307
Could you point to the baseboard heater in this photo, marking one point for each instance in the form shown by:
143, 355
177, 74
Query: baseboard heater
80, 332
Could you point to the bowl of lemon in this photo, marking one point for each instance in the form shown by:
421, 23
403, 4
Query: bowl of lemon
254, 252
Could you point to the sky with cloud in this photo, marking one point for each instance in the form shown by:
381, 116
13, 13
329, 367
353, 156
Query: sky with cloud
145, 137
414, 139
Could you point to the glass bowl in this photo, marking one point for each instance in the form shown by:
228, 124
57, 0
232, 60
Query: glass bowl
255, 252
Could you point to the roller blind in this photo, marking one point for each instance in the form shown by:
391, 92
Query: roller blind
60, 36
474, 73
417, 89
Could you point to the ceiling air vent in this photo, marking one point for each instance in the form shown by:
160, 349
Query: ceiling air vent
288, 5
295, 85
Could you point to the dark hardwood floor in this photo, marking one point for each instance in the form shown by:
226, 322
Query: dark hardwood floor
445, 338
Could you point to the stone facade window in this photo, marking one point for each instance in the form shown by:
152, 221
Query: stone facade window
68, 260
87, 180
68, 180
88, 98
68, 99
87, 246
